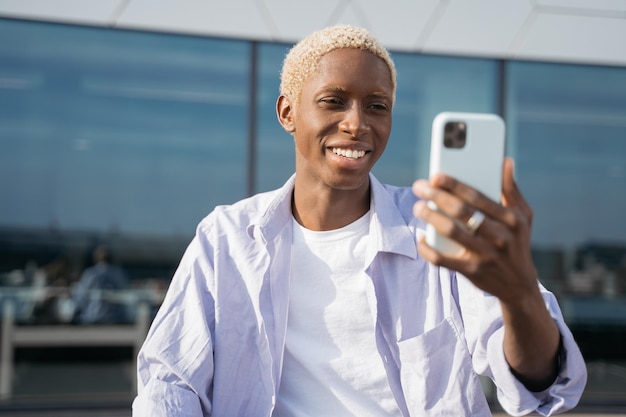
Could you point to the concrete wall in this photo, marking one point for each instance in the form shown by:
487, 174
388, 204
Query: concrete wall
581, 31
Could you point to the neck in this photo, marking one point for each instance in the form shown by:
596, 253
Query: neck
329, 209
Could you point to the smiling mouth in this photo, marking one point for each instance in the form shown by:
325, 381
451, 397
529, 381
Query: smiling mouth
348, 153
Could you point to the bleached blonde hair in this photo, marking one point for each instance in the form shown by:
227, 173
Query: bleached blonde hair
303, 59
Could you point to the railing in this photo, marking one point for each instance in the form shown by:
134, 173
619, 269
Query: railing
18, 333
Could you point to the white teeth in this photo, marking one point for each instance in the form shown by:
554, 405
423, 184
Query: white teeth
348, 153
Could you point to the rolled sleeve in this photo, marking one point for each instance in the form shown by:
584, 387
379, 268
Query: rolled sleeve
161, 399
482, 316
561, 396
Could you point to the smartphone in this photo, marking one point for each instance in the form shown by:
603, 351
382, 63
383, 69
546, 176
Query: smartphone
470, 148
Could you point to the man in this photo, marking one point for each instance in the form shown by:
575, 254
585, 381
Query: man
91, 306
321, 298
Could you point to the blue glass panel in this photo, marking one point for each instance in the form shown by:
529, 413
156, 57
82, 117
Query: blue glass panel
428, 85
117, 130
568, 124
275, 147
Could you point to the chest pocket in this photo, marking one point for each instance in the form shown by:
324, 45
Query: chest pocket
437, 376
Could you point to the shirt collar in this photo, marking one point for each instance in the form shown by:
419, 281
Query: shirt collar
387, 223
277, 213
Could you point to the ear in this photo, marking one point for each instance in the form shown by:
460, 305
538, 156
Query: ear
285, 114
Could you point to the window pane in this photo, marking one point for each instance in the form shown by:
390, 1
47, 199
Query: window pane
114, 130
428, 85
275, 147
567, 123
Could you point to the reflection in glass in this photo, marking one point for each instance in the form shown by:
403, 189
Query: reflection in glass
113, 130
568, 124
275, 147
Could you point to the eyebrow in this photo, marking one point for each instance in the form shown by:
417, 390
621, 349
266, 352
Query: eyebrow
333, 89
380, 94
341, 90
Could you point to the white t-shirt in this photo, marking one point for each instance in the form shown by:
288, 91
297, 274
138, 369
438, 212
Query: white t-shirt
331, 365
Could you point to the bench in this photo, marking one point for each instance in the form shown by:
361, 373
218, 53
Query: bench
14, 336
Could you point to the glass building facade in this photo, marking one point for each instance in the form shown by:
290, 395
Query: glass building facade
130, 138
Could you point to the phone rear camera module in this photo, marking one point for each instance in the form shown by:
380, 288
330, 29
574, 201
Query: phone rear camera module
455, 135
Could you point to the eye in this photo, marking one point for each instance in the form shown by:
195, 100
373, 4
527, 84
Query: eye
379, 106
331, 101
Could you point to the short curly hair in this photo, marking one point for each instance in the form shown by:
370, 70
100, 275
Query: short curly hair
303, 59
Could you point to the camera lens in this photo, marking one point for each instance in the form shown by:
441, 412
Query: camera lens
455, 135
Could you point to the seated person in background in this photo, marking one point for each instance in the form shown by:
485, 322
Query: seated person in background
91, 301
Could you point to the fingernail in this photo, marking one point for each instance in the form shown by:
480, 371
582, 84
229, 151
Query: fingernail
423, 189
419, 207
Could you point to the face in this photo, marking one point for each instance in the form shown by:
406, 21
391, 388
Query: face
343, 120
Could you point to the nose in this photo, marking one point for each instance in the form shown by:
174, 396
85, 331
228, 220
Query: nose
354, 121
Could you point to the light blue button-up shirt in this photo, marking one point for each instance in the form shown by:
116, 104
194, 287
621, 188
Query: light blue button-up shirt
216, 345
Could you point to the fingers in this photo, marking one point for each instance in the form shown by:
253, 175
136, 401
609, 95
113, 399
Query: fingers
511, 194
459, 200
496, 255
453, 203
468, 196
490, 234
